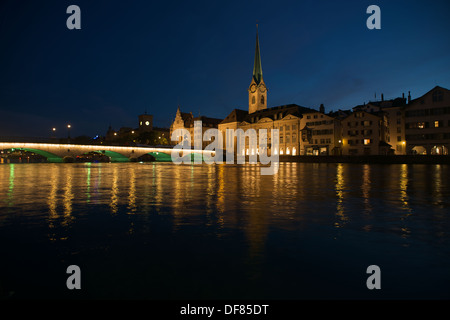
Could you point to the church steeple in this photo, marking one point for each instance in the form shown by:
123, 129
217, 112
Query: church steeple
257, 92
257, 69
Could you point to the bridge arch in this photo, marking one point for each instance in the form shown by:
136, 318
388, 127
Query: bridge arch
161, 156
114, 156
51, 157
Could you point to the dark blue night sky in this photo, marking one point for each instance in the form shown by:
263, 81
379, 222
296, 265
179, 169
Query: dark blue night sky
136, 56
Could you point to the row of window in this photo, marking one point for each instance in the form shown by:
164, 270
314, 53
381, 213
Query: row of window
357, 141
322, 132
353, 133
365, 123
318, 123
288, 138
427, 112
426, 124
288, 151
288, 128
430, 136
254, 100
316, 116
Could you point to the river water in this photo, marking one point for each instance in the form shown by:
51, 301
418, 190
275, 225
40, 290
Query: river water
166, 231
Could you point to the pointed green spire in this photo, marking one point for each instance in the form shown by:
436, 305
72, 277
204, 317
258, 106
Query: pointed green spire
257, 69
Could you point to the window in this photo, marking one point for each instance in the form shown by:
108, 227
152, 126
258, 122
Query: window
288, 128
288, 138
399, 130
399, 121
253, 100
294, 127
262, 99
436, 124
437, 96
294, 138
281, 139
399, 138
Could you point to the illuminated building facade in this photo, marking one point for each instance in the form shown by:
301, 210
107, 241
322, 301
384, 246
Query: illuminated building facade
427, 123
186, 121
365, 133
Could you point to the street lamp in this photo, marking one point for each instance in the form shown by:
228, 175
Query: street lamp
53, 133
68, 132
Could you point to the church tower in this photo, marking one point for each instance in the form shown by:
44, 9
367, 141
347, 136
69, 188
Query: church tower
257, 92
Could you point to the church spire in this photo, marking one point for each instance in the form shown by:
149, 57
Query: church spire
257, 69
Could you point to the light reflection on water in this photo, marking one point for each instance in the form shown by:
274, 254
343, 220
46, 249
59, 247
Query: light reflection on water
305, 213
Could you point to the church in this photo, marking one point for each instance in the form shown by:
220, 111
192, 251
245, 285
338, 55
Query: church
285, 118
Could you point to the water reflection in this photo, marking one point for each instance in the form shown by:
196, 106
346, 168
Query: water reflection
132, 192
68, 196
226, 197
404, 187
114, 200
340, 195
365, 187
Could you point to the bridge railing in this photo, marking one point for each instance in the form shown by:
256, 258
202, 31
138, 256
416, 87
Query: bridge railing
75, 141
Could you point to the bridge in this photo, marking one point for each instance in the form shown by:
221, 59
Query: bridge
55, 152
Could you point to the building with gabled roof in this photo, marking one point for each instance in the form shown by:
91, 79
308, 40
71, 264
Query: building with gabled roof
427, 123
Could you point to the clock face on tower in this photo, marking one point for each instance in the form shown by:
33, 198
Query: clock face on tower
147, 123
262, 88
253, 88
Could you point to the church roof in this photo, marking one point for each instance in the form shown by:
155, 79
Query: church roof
237, 115
274, 113
207, 120
257, 68
277, 113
